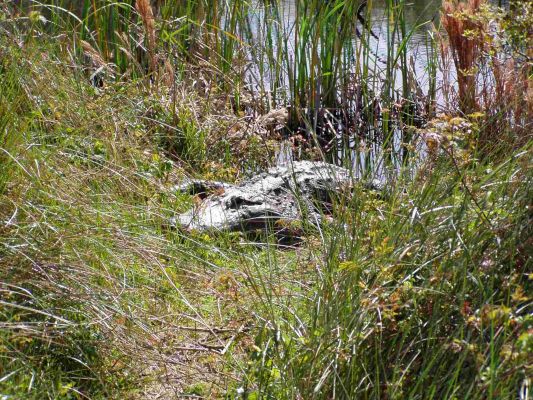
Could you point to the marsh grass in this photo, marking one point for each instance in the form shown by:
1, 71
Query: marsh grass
10, 100
419, 291
411, 299
88, 278
321, 64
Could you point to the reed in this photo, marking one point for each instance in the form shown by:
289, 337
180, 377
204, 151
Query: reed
321, 64
420, 290
144, 9
466, 41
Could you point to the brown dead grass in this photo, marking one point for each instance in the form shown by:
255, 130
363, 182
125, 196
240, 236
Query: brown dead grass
465, 49
144, 9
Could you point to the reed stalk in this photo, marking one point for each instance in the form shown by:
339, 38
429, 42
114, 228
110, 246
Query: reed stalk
465, 38
144, 9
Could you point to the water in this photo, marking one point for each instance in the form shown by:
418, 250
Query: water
418, 17
421, 17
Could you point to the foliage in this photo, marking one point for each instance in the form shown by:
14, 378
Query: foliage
421, 290
492, 79
421, 296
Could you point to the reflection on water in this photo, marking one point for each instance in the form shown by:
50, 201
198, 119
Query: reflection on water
417, 14
420, 17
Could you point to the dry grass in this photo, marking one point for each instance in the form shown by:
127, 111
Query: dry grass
493, 81
83, 248
144, 9
466, 41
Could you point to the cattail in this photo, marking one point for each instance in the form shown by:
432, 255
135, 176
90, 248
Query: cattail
144, 9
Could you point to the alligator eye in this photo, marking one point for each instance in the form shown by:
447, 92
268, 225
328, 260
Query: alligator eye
238, 201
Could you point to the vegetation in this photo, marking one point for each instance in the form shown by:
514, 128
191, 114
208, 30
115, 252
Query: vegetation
419, 291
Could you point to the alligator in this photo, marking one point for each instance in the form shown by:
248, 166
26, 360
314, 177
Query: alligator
297, 191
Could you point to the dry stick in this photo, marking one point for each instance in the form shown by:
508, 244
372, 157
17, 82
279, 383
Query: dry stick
209, 330
232, 339
218, 349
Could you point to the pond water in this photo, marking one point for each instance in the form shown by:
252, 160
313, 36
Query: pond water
421, 19
418, 16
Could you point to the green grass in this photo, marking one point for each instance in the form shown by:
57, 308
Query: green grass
12, 103
422, 291
423, 295
314, 63
90, 275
